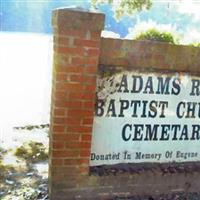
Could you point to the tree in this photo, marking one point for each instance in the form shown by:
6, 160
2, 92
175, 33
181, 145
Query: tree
122, 7
195, 44
156, 35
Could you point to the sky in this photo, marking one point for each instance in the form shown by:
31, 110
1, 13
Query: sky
182, 17
26, 32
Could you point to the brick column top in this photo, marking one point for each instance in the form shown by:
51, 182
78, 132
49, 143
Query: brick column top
68, 18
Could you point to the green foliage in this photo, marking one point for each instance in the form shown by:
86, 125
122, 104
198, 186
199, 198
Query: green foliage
32, 151
123, 7
155, 35
4, 170
2, 152
196, 44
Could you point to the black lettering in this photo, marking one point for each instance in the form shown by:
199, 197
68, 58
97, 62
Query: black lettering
137, 133
149, 86
92, 156
144, 109
151, 133
164, 132
184, 133
163, 85
123, 84
135, 105
195, 132
153, 109
176, 86
111, 108
195, 87
175, 128
137, 87
199, 110
191, 109
124, 105
163, 105
178, 110
99, 111
126, 137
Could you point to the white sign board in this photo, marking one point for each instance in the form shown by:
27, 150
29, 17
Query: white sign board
146, 118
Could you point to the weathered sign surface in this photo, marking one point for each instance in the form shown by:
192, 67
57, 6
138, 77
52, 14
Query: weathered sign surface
146, 118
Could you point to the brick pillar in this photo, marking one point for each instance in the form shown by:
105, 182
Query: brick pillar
76, 53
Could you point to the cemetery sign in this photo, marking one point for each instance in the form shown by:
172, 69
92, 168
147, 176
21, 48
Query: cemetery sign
142, 117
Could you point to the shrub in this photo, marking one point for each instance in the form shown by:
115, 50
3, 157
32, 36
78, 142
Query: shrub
2, 152
4, 170
32, 151
155, 35
197, 44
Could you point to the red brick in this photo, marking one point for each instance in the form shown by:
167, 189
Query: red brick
78, 61
57, 128
57, 162
61, 40
95, 35
84, 61
80, 113
58, 133
58, 145
70, 51
66, 137
93, 52
85, 145
92, 61
79, 129
58, 177
85, 153
61, 77
73, 104
59, 103
73, 145
84, 161
69, 86
87, 121
71, 32
90, 87
89, 104
59, 120
86, 137
84, 79
82, 95
90, 95
74, 95
69, 69
76, 78
89, 79
84, 170
86, 43
91, 70
64, 171
59, 112
60, 95
72, 161
65, 153
73, 121
60, 59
